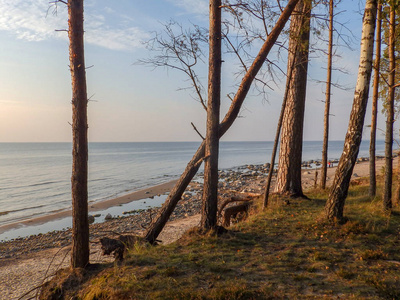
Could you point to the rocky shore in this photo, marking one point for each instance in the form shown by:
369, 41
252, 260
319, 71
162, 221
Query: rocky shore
244, 179
24, 261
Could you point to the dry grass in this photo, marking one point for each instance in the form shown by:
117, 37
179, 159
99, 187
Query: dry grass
287, 252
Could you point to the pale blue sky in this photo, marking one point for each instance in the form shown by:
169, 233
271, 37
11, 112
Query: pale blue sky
134, 102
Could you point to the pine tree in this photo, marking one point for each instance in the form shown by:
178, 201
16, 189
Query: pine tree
290, 152
80, 224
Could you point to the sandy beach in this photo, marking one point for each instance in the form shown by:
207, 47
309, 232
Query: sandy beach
95, 207
26, 262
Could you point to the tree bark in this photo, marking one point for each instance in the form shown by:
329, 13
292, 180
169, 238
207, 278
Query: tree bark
290, 152
80, 224
276, 140
387, 192
375, 96
210, 187
327, 100
335, 203
193, 166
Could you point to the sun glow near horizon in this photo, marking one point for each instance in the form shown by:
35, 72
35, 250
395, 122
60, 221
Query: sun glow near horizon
129, 102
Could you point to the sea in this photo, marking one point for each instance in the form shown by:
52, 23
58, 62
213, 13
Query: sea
35, 177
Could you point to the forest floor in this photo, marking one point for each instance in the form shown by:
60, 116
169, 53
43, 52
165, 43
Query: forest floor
24, 266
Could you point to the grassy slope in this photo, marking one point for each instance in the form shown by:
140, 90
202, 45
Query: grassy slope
288, 252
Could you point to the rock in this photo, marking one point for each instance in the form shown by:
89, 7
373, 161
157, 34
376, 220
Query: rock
355, 175
91, 219
108, 217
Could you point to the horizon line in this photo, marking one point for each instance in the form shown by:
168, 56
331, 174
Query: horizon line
230, 141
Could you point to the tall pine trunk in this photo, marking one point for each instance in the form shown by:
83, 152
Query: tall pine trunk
290, 152
210, 188
337, 196
276, 140
327, 100
387, 192
375, 97
80, 224
192, 167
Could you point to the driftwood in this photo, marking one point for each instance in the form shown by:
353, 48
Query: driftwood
233, 211
193, 166
117, 247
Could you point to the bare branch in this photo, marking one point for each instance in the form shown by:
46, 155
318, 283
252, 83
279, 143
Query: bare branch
198, 132
181, 50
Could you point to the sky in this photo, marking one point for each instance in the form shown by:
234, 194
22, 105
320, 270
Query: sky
130, 102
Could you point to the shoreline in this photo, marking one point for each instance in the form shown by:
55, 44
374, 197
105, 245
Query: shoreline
145, 193
149, 193
64, 216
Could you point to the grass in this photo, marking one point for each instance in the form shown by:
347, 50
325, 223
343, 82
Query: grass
287, 252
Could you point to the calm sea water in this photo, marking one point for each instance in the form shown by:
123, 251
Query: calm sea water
35, 177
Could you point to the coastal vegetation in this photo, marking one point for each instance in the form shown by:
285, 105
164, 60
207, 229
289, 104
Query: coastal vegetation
288, 251
291, 245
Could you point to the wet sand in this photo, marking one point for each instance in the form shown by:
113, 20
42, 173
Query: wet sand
94, 207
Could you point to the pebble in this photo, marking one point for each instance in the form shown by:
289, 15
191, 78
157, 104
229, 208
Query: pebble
91, 219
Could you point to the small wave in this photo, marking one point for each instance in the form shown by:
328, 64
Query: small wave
19, 187
42, 183
3, 213
98, 179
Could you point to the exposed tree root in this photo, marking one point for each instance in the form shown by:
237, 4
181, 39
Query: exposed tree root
117, 247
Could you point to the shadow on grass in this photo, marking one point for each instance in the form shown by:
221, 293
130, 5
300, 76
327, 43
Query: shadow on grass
287, 252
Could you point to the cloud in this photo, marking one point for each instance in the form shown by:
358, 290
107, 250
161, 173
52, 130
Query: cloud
192, 6
28, 20
38, 21
116, 39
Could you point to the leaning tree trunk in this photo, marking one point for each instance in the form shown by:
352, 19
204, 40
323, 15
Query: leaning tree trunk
192, 167
337, 196
290, 152
375, 96
327, 100
210, 188
80, 224
387, 192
